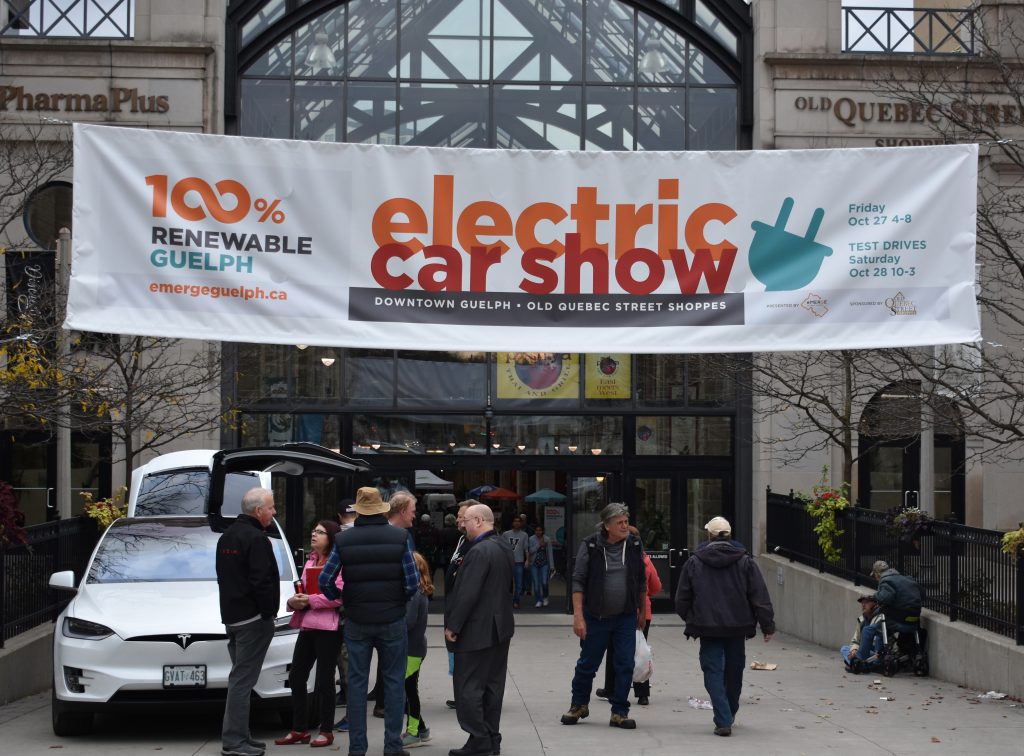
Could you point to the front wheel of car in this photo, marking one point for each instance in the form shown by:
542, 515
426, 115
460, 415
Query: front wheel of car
66, 722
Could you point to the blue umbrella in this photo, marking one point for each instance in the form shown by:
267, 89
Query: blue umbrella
476, 493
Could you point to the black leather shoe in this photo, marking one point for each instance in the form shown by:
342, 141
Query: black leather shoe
378, 712
644, 701
472, 748
496, 745
450, 703
601, 693
467, 750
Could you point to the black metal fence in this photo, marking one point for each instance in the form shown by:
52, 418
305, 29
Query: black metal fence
964, 573
26, 600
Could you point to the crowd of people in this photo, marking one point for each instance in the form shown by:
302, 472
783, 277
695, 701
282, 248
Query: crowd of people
366, 586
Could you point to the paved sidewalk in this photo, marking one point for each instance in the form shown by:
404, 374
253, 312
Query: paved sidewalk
807, 706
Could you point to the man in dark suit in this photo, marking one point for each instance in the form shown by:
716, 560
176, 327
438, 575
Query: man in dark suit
478, 627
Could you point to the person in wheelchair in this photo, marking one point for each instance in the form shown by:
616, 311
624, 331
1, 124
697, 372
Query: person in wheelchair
861, 654
900, 599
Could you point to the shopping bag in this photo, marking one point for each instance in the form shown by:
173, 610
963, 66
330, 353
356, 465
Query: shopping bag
643, 660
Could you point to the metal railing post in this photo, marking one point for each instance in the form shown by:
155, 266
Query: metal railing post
954, 576
1020, 596
3, 595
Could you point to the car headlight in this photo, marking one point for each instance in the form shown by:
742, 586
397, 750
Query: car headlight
281, 626
85, 630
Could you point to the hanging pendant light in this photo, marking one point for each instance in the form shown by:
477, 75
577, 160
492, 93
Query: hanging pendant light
321, 57
653, 60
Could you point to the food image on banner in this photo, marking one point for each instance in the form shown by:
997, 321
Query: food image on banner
608, 376
538, 375
426, 248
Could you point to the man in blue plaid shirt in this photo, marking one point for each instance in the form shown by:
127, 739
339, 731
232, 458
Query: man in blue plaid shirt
379, 576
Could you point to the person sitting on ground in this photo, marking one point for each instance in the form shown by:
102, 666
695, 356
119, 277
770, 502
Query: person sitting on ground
861, 653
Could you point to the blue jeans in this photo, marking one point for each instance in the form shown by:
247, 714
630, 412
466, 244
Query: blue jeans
619, 635
518, 583
391, 642
247, 647
540, 580
844, 651
722, 661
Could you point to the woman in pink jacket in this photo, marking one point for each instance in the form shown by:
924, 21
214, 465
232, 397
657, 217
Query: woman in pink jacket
319, 641
642, 690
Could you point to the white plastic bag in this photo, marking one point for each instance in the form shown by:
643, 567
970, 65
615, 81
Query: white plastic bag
643, 660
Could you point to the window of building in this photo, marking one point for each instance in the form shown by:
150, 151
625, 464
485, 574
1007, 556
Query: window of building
563, 74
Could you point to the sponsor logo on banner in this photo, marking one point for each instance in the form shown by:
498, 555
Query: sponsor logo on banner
816, 305
900, 305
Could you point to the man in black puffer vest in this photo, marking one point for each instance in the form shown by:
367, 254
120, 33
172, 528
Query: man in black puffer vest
609, 598
379, 576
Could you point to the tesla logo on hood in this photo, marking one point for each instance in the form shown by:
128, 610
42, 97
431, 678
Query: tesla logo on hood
184, 639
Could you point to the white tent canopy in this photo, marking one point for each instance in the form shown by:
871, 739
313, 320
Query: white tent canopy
427, 481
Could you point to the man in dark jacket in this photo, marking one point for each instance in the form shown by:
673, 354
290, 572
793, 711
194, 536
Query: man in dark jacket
899, 596
609, 599
380, 577
722, 598
451, 571
250, 594
478, 627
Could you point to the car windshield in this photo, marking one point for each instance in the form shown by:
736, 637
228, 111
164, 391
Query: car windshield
155, 551
184, 492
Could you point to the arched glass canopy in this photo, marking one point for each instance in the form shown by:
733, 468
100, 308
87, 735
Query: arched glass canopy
532, 74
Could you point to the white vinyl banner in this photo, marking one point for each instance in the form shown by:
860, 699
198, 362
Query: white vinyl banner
287, 242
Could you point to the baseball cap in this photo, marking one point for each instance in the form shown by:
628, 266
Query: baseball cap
867, 597
718, 527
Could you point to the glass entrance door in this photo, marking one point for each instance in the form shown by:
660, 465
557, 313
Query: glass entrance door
670, 510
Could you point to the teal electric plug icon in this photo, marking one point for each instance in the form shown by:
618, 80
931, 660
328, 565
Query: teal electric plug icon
783, 261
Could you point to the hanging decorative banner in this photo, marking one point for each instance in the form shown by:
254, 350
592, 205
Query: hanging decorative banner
608, 376
287, 242
538, 375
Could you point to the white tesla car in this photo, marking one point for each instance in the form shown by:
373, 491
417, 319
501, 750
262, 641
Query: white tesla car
144, 626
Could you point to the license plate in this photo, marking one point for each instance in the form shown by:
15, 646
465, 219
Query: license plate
184, 675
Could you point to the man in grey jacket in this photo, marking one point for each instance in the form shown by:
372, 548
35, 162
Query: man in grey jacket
722, 598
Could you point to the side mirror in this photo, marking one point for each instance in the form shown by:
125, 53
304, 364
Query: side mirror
63, 581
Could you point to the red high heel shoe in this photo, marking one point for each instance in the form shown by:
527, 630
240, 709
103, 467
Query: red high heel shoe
322, 740
292, 738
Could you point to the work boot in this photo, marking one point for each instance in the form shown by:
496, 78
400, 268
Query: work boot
575, 714
622, 721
